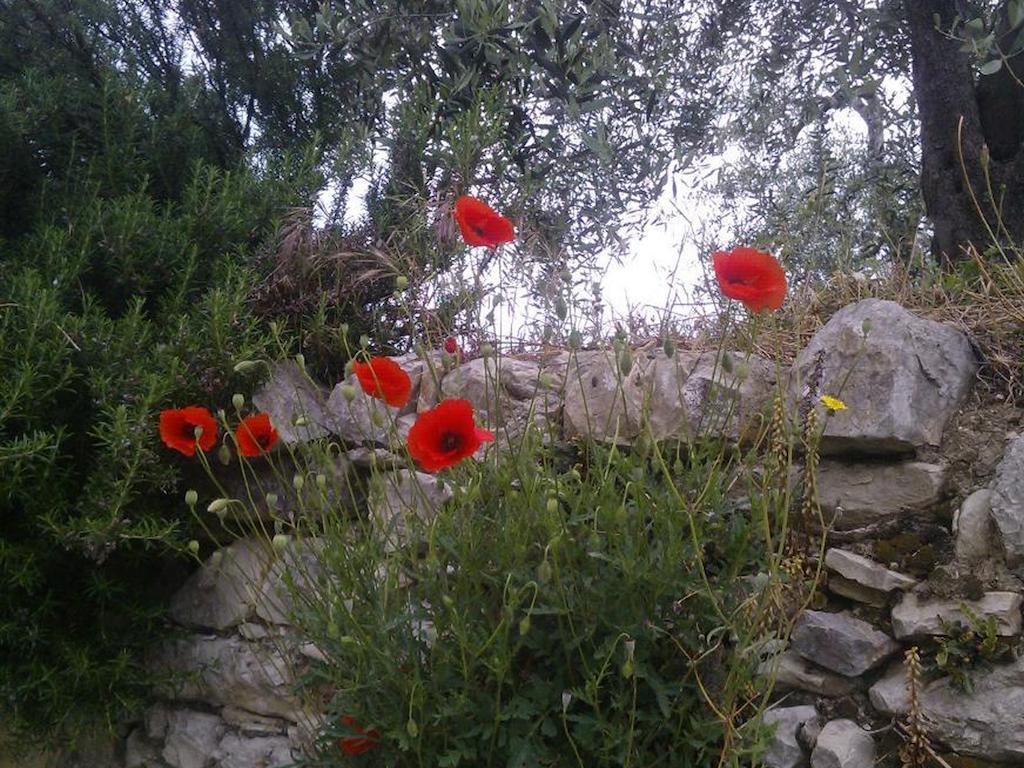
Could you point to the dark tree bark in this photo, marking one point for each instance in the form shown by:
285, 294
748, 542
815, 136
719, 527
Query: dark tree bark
968, 122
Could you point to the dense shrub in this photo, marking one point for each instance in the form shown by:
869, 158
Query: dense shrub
131, 239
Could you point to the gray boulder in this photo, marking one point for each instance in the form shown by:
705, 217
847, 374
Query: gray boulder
242, 751
228, 671
843, 744
901, 382
1007, 502
916, 616
403, 501
860, 495
295, 404
866, 572
975, 531
191, 737
841, 642
791, 671
224, 591
984, 722
785, 750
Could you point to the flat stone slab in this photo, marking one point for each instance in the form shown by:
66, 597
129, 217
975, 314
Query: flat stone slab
785, 750
915, 616
866, 572
843, 744
861, 494
793, 672
1007, 502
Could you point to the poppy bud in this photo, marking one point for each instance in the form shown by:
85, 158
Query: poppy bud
191, 497
218, 506
301, 360
401, 282
348, 392
245, 366
668, 347
625, 361
300, 421
627, 668
486, 350
575, 340
544, 572
297, 482
272, 500
198, 432
524, 626
377, 418
193, 547
364, 341
238, 400
412, 728
224, 454
865, 325
321, 481
216, 558
727, 362
552, 505
546, 380
561, 308
343, 329
279, 542
447, 600
566, 700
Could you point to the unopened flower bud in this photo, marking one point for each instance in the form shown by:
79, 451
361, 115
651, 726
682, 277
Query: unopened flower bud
377, 418
552, 505
279, 542
343, 329
218, 505
575, 340
272, 500
401, 282
561, 308
546, 380
544, 572
238, 400
244, 366
625, 361
524, 626
301, 360
668, 347
865, 325
193, 547
297, 482
198, 432
727, 362
412, 728
486, 350
348, 392
364, 341
566, 700
191, 497
321, 481
224, 454
216, 558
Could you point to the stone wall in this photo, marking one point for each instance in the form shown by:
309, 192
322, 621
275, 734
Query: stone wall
923, 492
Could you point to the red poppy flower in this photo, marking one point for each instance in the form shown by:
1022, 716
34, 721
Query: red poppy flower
445, 435
255, 435
362, 742
178, 429
481, 224
451, 346
384, 379
752, 277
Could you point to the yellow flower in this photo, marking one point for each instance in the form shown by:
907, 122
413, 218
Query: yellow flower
832, 403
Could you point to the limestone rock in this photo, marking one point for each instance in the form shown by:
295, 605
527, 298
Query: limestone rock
785, 750
229, 671
792, 671
681, 397
975, 531
901, 382
858, 495
843, 744
844, 587
295, 575
223, 592
403, 500
252, 724
294, 403
866, 572
238, 751
191, 738
1007, 502
915, 616
841, 642
984, 722
139, 752
507, 394
365, 419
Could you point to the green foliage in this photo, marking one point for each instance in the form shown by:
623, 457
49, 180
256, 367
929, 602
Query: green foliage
130, 252
584, 609
968, 647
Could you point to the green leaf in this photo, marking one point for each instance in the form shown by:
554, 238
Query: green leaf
991, 66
